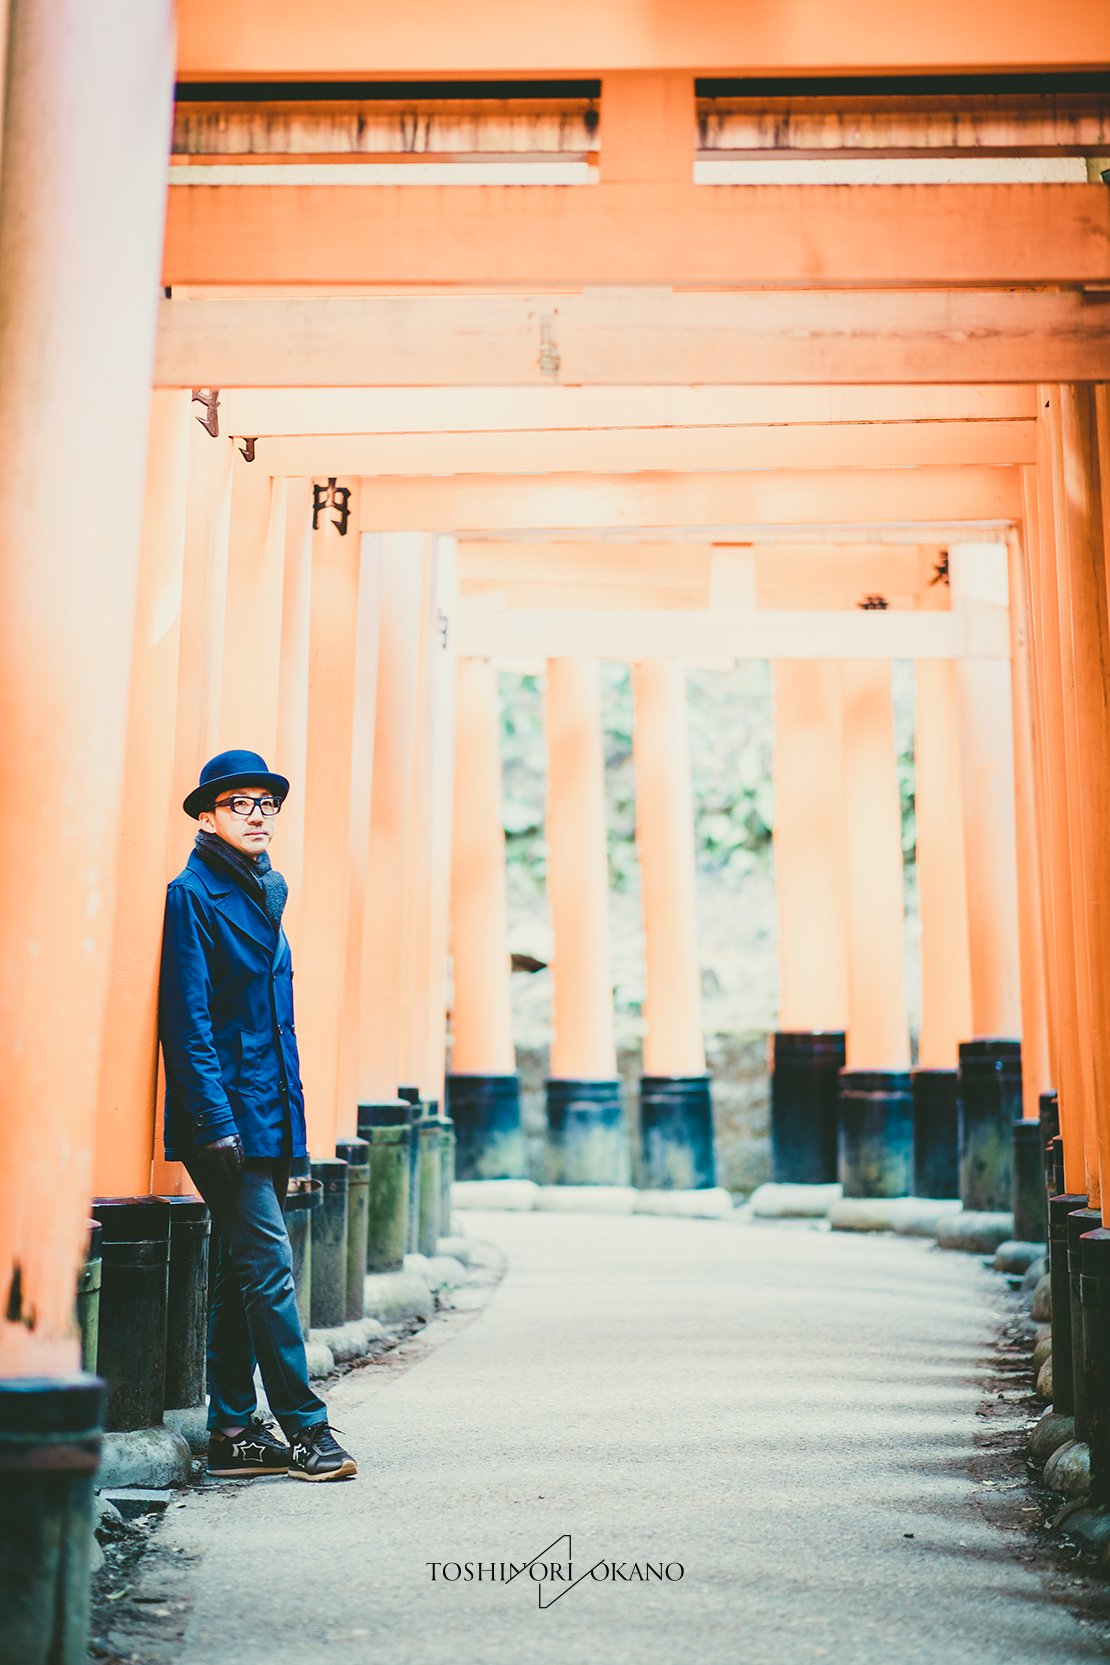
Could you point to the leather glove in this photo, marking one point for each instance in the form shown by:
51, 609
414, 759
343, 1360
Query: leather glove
224, 1156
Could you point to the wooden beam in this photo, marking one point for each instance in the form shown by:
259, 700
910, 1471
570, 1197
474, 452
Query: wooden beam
621, 336
444, 410
349, 38
628, 232
857, 496
484, 632
618, 450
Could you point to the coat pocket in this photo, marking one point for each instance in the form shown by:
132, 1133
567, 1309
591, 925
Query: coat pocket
255, 1062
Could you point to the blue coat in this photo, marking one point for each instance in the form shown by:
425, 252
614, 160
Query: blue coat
225, 1021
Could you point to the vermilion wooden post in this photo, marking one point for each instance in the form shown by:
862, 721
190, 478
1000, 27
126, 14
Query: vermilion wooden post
1086, 631
878, 1033
327, 795
941, 869
482, 1021
401, 580
1036, 1071
1059, 829
673, 1042
809, 846
80, 240
125, 1128
578, 880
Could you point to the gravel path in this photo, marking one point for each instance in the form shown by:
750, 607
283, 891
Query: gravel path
789, 1421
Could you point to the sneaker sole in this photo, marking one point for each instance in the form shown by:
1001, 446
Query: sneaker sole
245, 1473
343, 1472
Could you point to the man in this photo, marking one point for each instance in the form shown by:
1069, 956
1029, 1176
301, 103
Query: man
235, 1117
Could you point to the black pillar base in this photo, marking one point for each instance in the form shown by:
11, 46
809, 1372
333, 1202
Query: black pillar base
1063, 1388
1050, 1116
49, 1454
384, 1124
411, 1096
1079, 1221
875, 1146
302, 1200
489, 1140
328, 1301
676, 1120
936, 1134
805, 1084
1095, 1299
134, 1301
990, 1103
586, 1142
187, 1311
88, 1300
356, 1154
1027, 1185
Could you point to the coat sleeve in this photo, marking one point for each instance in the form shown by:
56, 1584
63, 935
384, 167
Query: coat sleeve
185, 1020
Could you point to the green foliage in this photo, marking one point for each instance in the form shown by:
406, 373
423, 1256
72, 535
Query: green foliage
730, 753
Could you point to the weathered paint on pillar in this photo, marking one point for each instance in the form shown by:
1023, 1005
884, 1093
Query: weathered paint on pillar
252, 618
82, 200
578, 877
673, 1042
125, 1121
1036, 1072
327, 791
423, 1034
482, 1016
878, 1033
358, 839
401, 589
941, 869
978, 575
809, 845
291, 745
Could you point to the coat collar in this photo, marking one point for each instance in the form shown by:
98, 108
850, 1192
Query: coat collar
233, 902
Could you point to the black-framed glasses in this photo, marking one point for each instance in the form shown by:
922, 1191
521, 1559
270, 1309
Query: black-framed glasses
244, 805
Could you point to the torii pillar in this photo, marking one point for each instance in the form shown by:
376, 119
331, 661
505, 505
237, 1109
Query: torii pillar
809, 867
676, 1116
586, 1143
88, 94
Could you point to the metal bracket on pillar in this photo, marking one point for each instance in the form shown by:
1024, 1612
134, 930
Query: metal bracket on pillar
246, 450
335, 497
873, 604
211, 402
940, 571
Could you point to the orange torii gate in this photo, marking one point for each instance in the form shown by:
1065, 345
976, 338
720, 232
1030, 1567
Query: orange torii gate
115, 669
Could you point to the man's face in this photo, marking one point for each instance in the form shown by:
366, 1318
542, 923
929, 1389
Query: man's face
249, 833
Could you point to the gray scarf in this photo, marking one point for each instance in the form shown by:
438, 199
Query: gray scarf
254, 874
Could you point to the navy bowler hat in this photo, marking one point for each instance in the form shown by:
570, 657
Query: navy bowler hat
232, 769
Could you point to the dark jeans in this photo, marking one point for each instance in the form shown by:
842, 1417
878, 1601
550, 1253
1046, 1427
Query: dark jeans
252, 1313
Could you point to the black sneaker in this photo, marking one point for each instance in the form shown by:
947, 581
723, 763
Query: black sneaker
317, 1456
257, 1450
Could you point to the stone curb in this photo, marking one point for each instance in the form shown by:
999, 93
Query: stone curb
910, 1216
975, 1234
191, 1422
155, 1457
1016, 1258
523, 1195
391, 1297
793, 1202
1068, 1470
